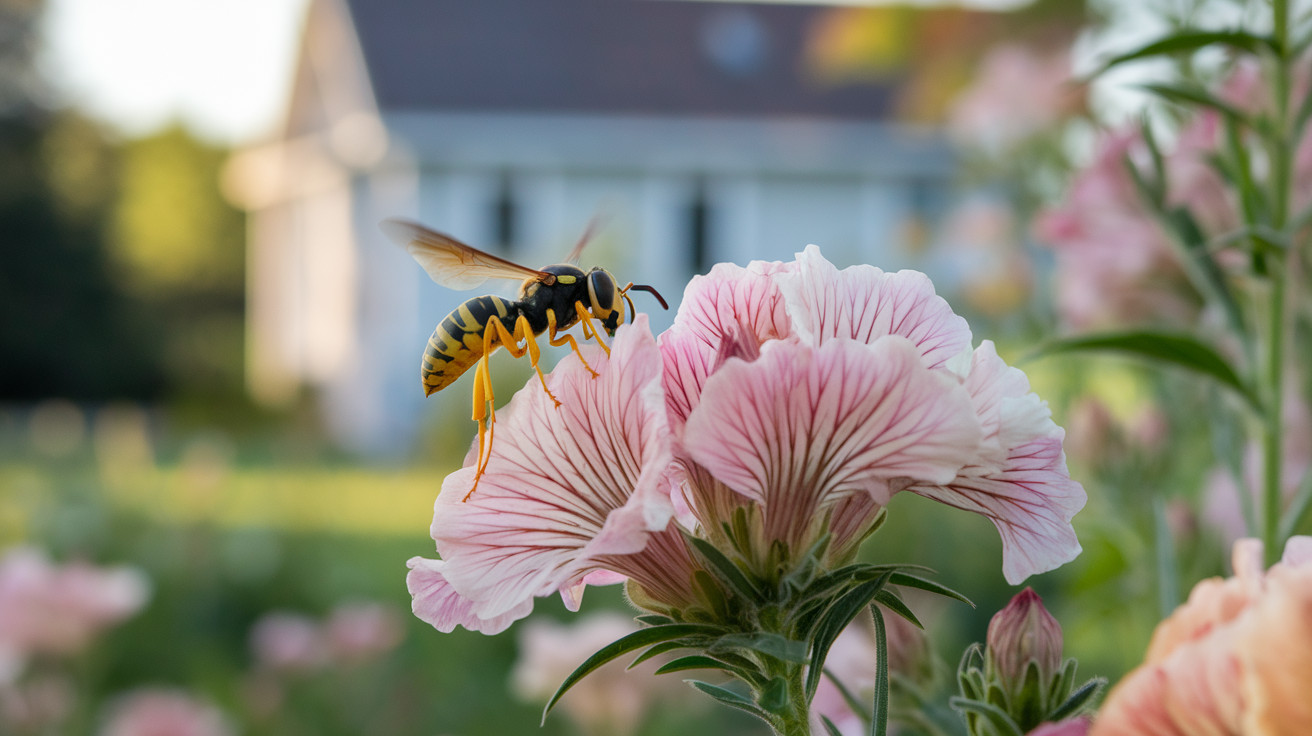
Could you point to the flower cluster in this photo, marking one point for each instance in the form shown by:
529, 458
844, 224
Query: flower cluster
788, 403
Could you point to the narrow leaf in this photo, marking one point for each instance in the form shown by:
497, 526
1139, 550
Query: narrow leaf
915, 581
763, 642
653, 619
1298, 509
1176, 43
693, 662
879, 724
729, 698
830, 728
723, 568
1178, 349
656, 650
835, 619
1194, 96
636, 640
888, 599
995, 715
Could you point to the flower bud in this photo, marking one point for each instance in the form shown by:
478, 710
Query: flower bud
1021, 633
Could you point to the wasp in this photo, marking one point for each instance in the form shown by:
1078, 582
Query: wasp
551, 300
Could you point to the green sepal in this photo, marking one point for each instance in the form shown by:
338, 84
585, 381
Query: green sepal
654, 619
1176, 43
769, 644
1077, 700
730, 698
707, 584
1171, 348
722, 567
994, 715
636, 640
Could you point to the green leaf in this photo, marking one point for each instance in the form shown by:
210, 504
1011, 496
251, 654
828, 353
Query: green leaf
693, 662
656, 650
907, 580
831, 624
636, 640
993, 714
849, 697
888, 599
1171, 348
1190, 95
830, 727
879, 724
723, 568
653, 619
1077, 700
763, 642
730, 698
1189, 41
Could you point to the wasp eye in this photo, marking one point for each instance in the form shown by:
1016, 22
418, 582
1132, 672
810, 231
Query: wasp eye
602, 293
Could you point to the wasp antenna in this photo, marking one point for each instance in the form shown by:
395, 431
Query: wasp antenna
650, 290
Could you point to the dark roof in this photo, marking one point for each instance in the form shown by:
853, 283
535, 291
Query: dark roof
610, 56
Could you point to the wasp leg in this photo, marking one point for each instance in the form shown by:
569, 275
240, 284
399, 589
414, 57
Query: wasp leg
564, 338
483, 408
511, 342
590, 329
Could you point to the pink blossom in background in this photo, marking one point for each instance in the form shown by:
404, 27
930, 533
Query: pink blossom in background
1069, 727
164, 712
613, 700
853, 660
1236, 658
288, 642
1018, 92
49, 608
804, 394
359, 631
1114, 263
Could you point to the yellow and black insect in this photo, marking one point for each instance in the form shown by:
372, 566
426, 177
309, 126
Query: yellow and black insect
551, 300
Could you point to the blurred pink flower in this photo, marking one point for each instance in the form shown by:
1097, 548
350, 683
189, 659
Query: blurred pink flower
359, 631
611, 701
806, 395
1114, 263
1018, 92
163, 712
58, 609
288, 642
1236, 658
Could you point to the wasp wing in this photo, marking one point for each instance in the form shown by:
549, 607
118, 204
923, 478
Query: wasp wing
450, 262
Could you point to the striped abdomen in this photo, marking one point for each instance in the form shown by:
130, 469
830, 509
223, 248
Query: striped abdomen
457, 343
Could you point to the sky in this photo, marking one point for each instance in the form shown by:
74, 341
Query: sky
221, 66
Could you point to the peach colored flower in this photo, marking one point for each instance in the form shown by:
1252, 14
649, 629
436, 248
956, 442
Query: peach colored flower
1236, 658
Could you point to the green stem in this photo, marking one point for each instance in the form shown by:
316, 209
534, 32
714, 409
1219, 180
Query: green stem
797, 721
1273, 378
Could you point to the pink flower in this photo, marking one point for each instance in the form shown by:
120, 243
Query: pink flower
796, 395
288, 642
59, 609
1069, 727
1024, 633
360, 631
1236, 658
1017, 94
162, 712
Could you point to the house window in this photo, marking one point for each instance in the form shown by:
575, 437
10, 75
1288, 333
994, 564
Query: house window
504, 214
699, 229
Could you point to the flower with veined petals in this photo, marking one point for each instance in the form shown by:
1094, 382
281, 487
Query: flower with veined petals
801, 395
1236, 658
569, 496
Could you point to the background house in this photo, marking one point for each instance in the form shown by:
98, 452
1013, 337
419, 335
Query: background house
698, 132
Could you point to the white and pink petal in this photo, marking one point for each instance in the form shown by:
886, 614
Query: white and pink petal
563, 485
865, 303
435, 602
804, 426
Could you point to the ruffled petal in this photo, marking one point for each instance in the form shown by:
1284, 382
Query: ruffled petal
1031, 501
865, 303
802, 427
563, 485
731, 298
434, 601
